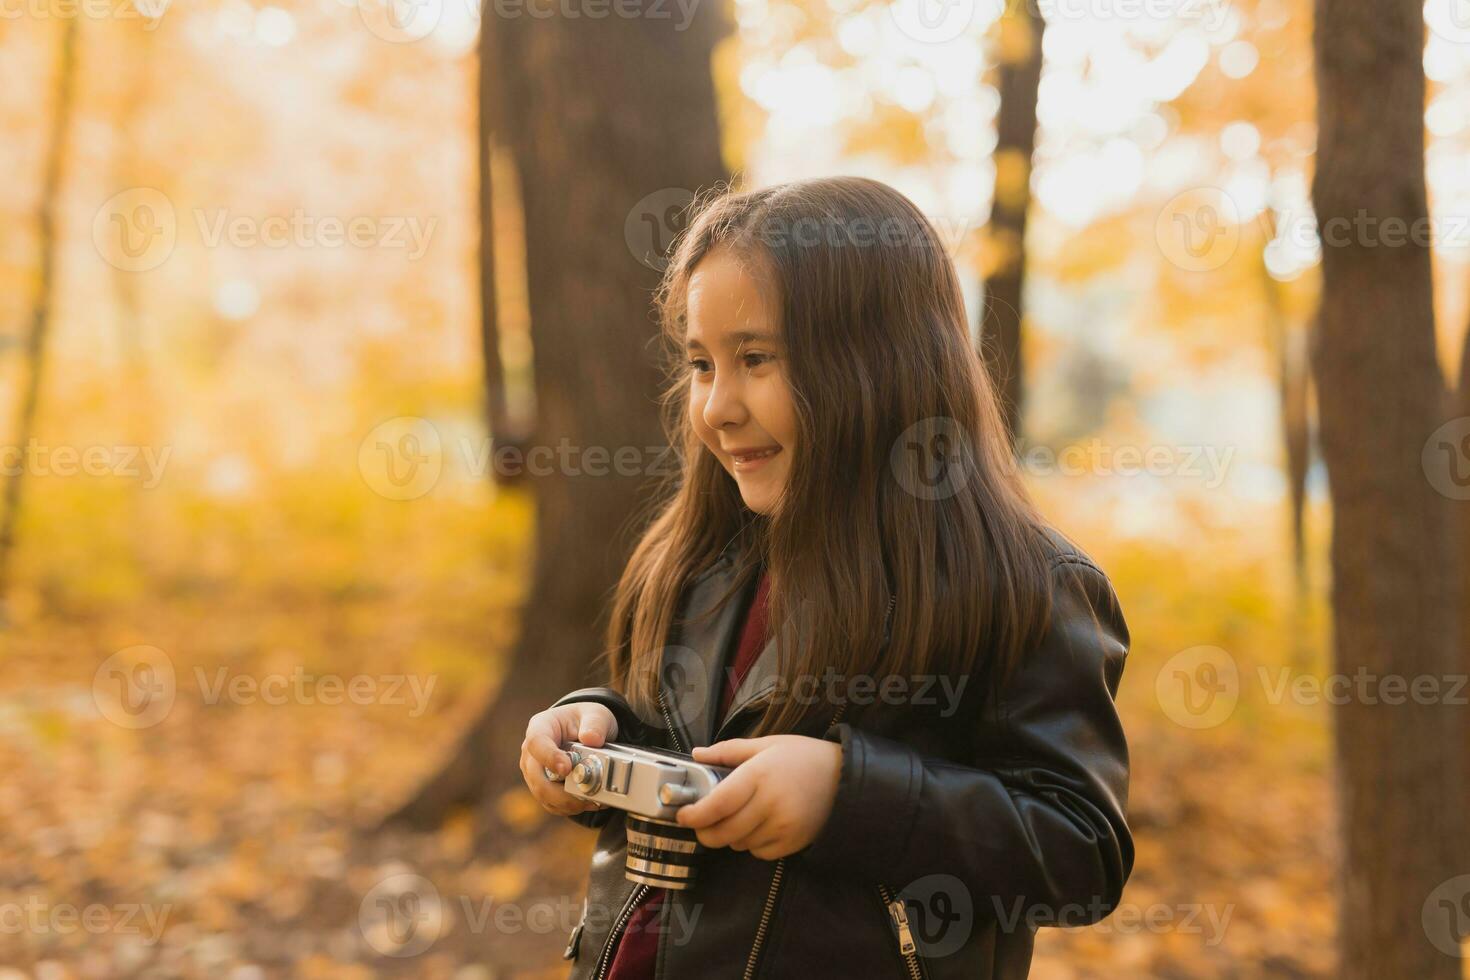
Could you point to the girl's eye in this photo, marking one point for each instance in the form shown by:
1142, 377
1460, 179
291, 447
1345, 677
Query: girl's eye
701, 365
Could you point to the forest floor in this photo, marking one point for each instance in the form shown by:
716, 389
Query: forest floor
312, 682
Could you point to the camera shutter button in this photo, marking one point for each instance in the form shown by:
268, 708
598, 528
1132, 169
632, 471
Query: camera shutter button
677, 794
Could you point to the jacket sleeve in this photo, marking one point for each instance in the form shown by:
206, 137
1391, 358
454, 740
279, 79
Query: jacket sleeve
1039, 828
631, 730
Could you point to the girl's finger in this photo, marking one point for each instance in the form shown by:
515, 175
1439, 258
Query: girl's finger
730, 795
760, 837
730, 752
543, 744
549, 794
595, 728
552, 797
736, 830
768, 850
574, 806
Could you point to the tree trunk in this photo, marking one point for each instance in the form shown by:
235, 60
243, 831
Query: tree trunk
1396, 593
45, 299
1288, 344
600, 114
1000, 332
1461, 410
498, 421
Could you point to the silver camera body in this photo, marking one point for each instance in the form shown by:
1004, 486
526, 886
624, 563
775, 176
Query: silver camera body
650, 785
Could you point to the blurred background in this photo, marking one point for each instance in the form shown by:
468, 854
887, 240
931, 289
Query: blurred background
327, 420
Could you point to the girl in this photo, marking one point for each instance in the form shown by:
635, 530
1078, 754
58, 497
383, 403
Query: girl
928, 763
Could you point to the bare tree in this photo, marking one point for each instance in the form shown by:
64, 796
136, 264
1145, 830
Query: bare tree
504, 428
44, 303
1460, 408
609, 120
1020, 77
1288, 345
1396, 590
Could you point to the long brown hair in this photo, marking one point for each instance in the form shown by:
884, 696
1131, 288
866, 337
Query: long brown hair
886, 383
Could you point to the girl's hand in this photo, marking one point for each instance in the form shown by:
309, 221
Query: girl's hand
776, 800
582, 721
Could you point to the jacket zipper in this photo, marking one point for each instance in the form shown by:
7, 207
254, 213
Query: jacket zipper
896, 910
627, 911
765, 923
906, 948
663, 708
779, 873
772, 893
604, 960
753, 960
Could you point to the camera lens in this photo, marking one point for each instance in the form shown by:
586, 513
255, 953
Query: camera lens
661, 854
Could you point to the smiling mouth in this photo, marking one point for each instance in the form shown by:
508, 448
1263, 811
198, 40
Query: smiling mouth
745, 459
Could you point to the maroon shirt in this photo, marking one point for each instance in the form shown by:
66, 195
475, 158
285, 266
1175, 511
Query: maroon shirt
638, 946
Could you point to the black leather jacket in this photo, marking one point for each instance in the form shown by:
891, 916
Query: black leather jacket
957, 829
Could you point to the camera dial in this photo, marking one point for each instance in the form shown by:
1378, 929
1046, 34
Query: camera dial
587, 775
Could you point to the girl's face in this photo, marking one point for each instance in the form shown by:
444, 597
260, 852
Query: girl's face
739, 401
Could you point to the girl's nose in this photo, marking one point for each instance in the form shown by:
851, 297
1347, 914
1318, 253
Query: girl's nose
723, 407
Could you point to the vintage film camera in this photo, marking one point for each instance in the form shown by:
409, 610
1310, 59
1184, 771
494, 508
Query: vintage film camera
651, 785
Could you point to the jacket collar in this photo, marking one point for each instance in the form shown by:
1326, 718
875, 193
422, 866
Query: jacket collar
693, 667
